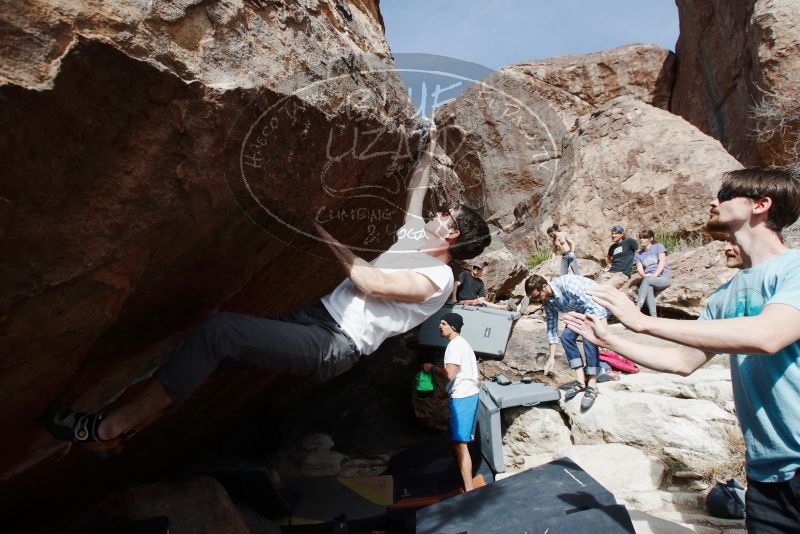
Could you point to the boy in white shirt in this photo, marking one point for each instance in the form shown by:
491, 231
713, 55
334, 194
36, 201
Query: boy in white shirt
461, 371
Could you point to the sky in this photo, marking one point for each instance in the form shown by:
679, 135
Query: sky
495, 33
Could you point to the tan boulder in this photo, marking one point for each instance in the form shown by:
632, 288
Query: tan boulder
695, 274
504, 134
640, 473
503, 269
732, 54
696, 436
533, 432
628, 163
578, 84
527, 347
658, 441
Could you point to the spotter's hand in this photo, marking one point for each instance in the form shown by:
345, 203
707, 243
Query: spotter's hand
619, 305
592, 329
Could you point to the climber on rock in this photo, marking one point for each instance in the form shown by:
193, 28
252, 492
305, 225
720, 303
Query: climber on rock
387, 296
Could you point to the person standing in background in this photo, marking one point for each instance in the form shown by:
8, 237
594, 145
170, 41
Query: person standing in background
461, 371
563, 244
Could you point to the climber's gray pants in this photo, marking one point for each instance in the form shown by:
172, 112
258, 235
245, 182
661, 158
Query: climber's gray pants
306, 342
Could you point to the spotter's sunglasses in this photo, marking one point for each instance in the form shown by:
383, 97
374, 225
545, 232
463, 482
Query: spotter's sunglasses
725, 194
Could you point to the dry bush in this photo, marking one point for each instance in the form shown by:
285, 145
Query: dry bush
778, 116
729, 463
733, 466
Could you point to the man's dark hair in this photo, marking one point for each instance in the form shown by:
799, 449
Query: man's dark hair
552, 229
535, 282
776, 184
474, 234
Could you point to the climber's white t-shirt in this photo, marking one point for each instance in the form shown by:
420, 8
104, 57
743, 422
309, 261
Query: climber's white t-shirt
370, 320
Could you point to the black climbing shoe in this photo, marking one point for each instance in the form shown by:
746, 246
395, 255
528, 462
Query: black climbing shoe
66, 424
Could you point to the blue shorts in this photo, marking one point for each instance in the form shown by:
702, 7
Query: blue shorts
462, 418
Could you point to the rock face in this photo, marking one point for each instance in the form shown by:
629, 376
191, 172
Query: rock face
641, 473
527, 347
503, 270
696, 274
689, 430
198, 505
165, 159
576, 85
533, 432
504, 134
733, 54
620, 167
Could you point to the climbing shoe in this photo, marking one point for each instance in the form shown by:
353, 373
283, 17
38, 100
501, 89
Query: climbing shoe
66, 424
589, 396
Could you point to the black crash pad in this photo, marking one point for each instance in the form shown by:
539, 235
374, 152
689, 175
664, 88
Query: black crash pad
547, 493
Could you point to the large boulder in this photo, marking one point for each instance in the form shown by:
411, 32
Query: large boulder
504, 134
657, 441
576, 85
695, 273
537, 432
527, 347
503, 269
628, 163
163, 160
732, 55
685, 423
690, 428
639, 474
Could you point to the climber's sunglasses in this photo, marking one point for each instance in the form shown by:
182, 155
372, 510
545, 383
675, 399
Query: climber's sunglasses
452, 213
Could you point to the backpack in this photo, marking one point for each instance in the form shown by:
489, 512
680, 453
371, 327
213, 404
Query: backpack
618, 362
726, 500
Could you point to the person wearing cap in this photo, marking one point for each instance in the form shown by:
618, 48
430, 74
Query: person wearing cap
470, 288
461, 371
619, 258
